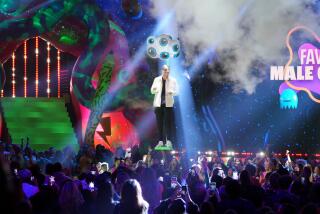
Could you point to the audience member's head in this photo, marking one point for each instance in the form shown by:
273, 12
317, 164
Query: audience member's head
315, 193
296, 188
245, 178
307, 172
274, 181
120, 179
287, 208
57, 167
285, 182
131, 196
178, 206
70, 198
252, 170
207, 207
310, 209
233, 189
105, 192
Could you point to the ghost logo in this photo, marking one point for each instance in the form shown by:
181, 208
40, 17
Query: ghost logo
288, 99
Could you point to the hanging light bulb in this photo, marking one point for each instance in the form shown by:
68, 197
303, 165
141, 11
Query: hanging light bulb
58, 71
13, 76
48, 69
37, 66
25, 69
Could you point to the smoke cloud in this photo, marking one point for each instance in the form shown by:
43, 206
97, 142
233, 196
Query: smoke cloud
243, 32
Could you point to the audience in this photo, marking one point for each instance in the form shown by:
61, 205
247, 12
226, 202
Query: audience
97, 181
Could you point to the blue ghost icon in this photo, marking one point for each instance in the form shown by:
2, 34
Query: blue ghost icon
288, 99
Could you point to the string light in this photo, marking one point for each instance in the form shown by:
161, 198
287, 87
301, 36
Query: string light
58, 70
13, 76
25, 71
48, 69
37, 66
25, 68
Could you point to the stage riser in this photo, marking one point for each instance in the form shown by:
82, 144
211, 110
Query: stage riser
45, 121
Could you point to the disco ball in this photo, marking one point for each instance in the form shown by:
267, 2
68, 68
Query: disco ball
162, 47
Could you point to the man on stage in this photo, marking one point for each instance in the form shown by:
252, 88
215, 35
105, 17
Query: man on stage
164, 88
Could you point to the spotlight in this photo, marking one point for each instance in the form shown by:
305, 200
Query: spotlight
199, 153
230, 153
173, 152
261, 154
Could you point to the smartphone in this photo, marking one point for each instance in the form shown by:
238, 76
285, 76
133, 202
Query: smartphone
183, 182
128, 153
174, 182
221, 173
184, 189
235, 176
144, 159
193, 172
51, 180
15, 171
213, 186
91, 186
93, 172
199, 159
160, 179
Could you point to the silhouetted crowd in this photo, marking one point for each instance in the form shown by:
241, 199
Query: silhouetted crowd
132, 182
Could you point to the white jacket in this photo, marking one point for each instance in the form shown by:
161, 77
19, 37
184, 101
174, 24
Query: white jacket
171, 90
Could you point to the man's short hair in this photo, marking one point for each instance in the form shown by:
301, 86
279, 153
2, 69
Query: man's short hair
165, 65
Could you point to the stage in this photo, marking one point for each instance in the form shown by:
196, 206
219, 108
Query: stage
54, 85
